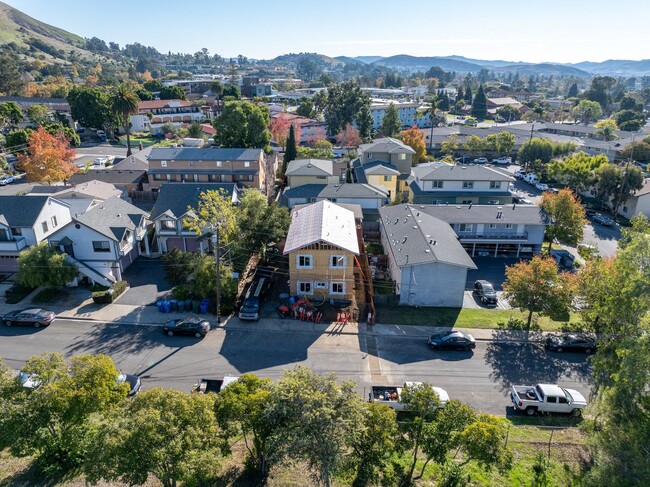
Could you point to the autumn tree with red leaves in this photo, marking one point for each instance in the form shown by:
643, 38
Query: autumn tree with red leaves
314, 136
348, 137
414, 138
49, 158
280, 130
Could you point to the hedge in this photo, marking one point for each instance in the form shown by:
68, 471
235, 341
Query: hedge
111, 294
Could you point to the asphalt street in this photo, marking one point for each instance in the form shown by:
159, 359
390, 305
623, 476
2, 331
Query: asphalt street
480, 378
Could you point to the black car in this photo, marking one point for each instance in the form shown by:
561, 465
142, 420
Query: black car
452, 340
485, 291
35, 317
135, 384
570, 343
187, 326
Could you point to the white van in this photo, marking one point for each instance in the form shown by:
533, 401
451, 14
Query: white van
531, 178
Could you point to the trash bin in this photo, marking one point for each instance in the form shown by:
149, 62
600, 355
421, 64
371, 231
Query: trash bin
181, 305
173, 305
203, 307
166, 306
159, 305
195, 306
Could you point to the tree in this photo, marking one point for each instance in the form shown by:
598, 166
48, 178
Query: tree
631, 179
606, 129
414, 138
502, 143
11, 79
216, 87
450, 146
483, 440
195, 131
567, 217
280, 130
154, 85
600, 90
259, 221
167, 433
89, 106
49, 158
573, 91
291, 151
479, 105
38, 114
577, 170
431, 111
172, 93
391, 125
123, 103
179, 266
474, 145
58, 129
214, 209
422, 401
317, 416
143, 94
636, 151
535, 150
306, 108
374, 442
10, 114
52, 420
243, 410
537, 287
243, 124
42, 265
345, 103
231, 91
348, 137
606, 183
587, 110
508, 113
365, 122
629, 120
18, 140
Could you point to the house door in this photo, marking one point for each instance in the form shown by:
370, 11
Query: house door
69, 249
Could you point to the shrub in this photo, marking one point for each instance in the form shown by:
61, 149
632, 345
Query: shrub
179, 266
17, 293
181, 293
111, 294
47, 295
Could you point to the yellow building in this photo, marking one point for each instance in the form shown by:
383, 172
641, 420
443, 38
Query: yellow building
322, 245
385, 176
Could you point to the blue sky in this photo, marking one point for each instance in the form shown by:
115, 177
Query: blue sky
552, 30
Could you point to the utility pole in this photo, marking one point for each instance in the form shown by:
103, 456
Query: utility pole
215, 244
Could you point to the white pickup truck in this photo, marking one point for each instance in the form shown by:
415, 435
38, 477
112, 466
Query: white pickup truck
392, 395
547, 398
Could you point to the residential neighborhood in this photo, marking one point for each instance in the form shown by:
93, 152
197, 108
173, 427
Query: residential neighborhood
319, 266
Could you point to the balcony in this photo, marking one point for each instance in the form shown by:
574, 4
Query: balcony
484, 237
15, 244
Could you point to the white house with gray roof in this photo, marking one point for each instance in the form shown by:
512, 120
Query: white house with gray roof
442, 183
310, 171
103, 241
425, 258
27, 221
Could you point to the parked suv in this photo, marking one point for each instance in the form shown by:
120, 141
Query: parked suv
485, 291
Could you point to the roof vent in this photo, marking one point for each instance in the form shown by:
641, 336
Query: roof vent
457, 207
499, 215
404, 241
415, 227
427, 251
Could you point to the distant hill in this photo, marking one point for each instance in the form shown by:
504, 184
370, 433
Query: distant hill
615, 67
368, 59
415, 63
545, 69
349, 60
482, 62
294, 58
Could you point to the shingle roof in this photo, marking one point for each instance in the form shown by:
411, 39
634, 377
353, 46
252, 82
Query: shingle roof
356, 209
448, 172
380, 168
451, 214
310, 167
386, 144
417, 238
112, 218
325, 222
209, 154
93, 189
112, 176
304, 191
352, 190
21, 211
174, 198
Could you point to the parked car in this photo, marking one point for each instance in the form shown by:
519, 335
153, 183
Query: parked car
547, 398
485, 291
187, 326
502, 161
521, 200
542, 186
463, 160
452, 340
35, 317
520, 174
570, 343
481, 160
135, 384
102, 135
6, 179
603, 220
590, 211
531, 178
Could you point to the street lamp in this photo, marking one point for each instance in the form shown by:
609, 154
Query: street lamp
215, 246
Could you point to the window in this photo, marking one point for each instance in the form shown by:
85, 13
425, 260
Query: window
191, 163
466, 202
168, 225
101, 246
337, 261
551, 400
625, 209
168, 177
437, 184
320, 285
158, 177
468, 184
247, 163
465, 227
54, 222
196, 178
337, 287
369, 155
509, 226
304, 261
219, 163
402, 157
495, 184
388, 178
562, 400
44, 226
163, 163
493, 225
304, 287
17, 231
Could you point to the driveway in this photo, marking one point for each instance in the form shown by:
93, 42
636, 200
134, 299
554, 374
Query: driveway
493, 270
146, 278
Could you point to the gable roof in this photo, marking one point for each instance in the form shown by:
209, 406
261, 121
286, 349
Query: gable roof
325, 222
528, 214
92, 189
352, 190
112, 218
310, 167
208, 154
174, 198
417, 238
112, 176
380, 168
137, 161
448, 172
22, 211
387, 144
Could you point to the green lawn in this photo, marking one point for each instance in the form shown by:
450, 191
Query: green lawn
458, 318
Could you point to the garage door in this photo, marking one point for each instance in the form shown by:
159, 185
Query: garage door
8, 263
174, 243
126, 260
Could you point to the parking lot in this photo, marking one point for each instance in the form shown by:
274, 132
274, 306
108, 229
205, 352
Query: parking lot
493, 270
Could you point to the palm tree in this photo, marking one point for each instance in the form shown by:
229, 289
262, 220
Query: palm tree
123, 102
431, 111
